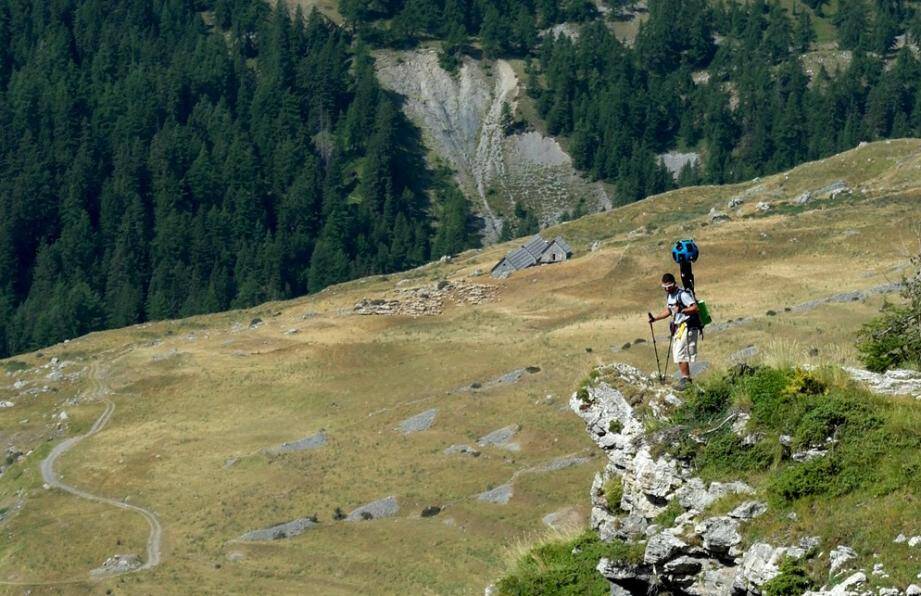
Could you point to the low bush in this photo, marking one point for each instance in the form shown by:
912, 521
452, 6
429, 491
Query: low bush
667, 518
567, 568
705, 403
867, 445
792, 580
894, 338
613, 493
724, 453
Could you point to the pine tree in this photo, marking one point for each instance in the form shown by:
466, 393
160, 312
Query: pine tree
492, 33
804, 33
852, 21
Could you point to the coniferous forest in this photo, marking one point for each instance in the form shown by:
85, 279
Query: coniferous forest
757, 112
162, 158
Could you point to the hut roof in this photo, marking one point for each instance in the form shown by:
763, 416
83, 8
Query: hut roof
536, 246
521, 258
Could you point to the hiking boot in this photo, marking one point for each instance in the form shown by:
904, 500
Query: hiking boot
683, 384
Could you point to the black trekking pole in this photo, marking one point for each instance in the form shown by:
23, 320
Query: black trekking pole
668, 355
655, 347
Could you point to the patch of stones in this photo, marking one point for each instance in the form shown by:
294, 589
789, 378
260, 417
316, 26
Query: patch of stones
382, 508
845, 297
560, 463
312, 442
117, 564
428, 300
841, 298
419, 422
509, 378
461, 449
386, 507
499, 495
501, 438
563, 519
30, 382
286, 530
744, 354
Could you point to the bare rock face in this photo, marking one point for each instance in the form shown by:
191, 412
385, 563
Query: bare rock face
892, 382
663, 547
719, 534
461, 119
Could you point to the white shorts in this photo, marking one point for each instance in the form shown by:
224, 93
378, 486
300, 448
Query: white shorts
684, 344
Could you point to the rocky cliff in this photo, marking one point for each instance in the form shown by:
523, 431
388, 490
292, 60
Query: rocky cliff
645, 495
461, 118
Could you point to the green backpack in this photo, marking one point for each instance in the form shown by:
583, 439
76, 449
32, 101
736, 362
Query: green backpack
703, 314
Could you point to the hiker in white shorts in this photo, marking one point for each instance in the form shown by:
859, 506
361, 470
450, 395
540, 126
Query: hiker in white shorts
685, 326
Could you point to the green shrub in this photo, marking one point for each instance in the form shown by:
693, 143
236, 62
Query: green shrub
613, 493
705, 403
587, 382
615, 426
804, 383
724, 453
875, 446
894, 338
771, 407
567, 568
814, 477
792, 580
667, 518
824, 416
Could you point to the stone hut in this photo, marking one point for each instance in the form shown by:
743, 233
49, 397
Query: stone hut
557, 250
535, 251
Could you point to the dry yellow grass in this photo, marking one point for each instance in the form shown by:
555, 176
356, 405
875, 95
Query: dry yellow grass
194, 394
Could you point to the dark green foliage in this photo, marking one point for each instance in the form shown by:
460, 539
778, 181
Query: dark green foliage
894, 338
725, 453
868, 447
705, 403
621, 106
154, 166
792, 580
568, 568
524, 223
814, 477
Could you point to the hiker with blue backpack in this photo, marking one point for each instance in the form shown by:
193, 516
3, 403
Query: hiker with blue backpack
681, 307
688, 317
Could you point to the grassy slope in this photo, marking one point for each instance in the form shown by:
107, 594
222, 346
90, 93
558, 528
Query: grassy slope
229, 393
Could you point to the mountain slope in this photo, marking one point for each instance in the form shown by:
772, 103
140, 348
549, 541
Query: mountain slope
210, 409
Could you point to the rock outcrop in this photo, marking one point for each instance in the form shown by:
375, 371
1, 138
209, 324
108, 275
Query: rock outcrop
697, 554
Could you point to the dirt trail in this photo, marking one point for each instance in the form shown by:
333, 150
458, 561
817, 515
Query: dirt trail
99, 391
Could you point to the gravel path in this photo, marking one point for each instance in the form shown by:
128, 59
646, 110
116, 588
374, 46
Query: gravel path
53, 479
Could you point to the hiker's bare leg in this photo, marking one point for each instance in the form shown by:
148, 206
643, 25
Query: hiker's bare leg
685, 369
